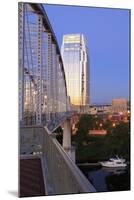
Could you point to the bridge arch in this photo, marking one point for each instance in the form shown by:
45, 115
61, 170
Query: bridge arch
42, 85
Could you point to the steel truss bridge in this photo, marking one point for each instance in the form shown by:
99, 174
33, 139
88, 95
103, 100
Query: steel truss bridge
43, 92
43, 106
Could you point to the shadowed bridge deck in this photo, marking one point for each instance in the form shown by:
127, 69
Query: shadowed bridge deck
31, 178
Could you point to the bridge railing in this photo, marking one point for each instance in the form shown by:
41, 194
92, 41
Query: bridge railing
62, 176
65, 175
31, 140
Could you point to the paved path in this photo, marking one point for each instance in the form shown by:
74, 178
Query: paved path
31, 178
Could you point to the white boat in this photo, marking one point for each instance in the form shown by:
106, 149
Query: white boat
114, 162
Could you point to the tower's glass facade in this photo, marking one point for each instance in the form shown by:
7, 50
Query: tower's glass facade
76, 63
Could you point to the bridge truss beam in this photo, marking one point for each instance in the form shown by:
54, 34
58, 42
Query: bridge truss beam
42, 85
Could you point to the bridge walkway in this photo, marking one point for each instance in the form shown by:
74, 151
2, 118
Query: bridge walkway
31, 178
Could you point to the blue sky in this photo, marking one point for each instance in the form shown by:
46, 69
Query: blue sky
107, 32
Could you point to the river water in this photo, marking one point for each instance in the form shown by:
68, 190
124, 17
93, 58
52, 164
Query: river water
108, 179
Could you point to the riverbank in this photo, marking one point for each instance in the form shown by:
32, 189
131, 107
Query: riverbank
88, 164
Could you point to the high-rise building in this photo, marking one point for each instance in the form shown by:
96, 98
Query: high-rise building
76, 64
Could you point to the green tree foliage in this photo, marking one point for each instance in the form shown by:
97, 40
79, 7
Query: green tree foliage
119, 140
86, 123
116, 142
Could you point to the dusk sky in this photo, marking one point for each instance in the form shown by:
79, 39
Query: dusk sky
107, 33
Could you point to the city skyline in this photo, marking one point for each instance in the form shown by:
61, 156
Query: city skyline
59, 131
108, 42
76, 66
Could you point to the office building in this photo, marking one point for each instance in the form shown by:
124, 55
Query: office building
119, 106
76, 64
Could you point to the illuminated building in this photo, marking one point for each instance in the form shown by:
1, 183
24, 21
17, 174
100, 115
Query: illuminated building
119, 106
76, 65
97, 132
100, 109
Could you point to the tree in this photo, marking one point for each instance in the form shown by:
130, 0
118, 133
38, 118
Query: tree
118, 142
85, 123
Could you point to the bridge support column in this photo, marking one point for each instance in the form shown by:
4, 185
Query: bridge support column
67, 140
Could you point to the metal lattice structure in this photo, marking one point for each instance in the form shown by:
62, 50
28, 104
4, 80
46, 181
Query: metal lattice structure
42, 85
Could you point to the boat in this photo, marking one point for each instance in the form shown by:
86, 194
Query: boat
114, 162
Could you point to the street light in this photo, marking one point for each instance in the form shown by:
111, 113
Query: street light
100, 124
113, 124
